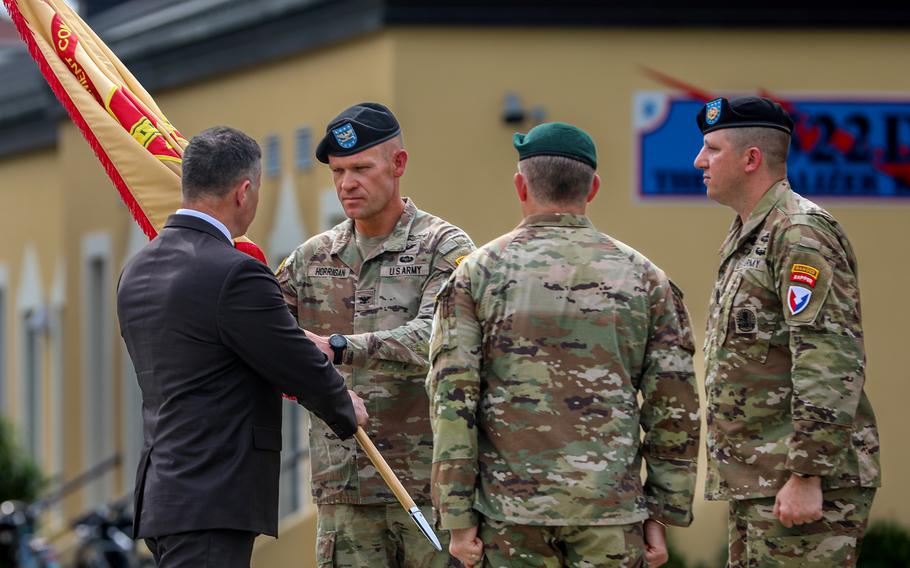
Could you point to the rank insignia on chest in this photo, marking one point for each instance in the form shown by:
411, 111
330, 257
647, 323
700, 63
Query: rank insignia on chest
798, 299
804, 274
364, 297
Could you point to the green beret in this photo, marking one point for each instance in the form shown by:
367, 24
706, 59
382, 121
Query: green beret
556, 139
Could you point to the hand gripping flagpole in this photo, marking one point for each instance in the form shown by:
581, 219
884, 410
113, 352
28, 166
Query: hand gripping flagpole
397, 488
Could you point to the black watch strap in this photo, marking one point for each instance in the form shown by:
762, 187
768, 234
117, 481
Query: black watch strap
338, 343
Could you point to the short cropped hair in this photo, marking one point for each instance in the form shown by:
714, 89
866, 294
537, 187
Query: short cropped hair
216, 160
774, 144
557, 179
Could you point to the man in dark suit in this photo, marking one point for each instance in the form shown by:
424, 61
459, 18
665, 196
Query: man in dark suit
214, 347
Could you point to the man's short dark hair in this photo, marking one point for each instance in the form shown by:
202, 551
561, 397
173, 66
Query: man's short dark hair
557, 179
774, 144
216, 160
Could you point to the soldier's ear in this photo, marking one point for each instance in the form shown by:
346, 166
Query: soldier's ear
595, 186
754, 158
521, 186
399, 162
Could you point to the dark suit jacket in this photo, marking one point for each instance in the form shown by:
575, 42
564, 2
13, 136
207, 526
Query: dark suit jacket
214, 346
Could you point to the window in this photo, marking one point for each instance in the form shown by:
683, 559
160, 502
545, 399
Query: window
57, 423
287, 234
294, 482
97, 387
330, 210
272, 155
131, 408
131, 399
31, 325
304, 154
287, 231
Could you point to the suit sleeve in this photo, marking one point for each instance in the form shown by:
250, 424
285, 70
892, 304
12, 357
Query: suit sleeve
253, 321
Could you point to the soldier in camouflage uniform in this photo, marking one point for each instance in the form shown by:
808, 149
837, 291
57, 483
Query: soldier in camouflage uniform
542, 342
371, 281
792, 440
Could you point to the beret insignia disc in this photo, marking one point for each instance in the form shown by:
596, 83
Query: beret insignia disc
712, 114
345, 135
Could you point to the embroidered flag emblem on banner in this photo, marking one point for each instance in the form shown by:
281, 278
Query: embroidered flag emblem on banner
140, 150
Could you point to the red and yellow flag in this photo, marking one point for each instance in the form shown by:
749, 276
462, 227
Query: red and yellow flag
139, 149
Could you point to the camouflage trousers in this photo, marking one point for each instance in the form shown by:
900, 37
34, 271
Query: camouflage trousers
376, 536
506, 545
758, 540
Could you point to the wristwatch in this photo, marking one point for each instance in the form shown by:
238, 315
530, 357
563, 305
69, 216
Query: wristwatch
338, 343
802, 475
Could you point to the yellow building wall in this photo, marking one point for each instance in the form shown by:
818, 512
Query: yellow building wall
29, 192
90, 206
449, 91
447, 86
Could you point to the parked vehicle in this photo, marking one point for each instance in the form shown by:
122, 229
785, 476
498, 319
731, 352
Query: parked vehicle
106, 539
19, 546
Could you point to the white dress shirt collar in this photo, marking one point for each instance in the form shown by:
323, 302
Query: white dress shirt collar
206, 217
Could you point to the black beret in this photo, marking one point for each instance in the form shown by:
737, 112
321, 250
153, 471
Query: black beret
556, 139
356, 129
743, 112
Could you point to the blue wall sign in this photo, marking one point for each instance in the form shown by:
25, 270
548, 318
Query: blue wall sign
841, 147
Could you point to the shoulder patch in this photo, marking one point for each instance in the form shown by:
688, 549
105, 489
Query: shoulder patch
283, 264
450, 245
453, 251
798, 299
804, 274
805, 282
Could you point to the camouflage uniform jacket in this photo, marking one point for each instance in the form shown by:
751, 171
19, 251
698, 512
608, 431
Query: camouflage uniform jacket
542, 342
384, 307
784, 356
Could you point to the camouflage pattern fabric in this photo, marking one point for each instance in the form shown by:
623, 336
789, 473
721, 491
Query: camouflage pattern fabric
758, 540
785, 361
542, 342
376, 536
506, 545
383, 304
